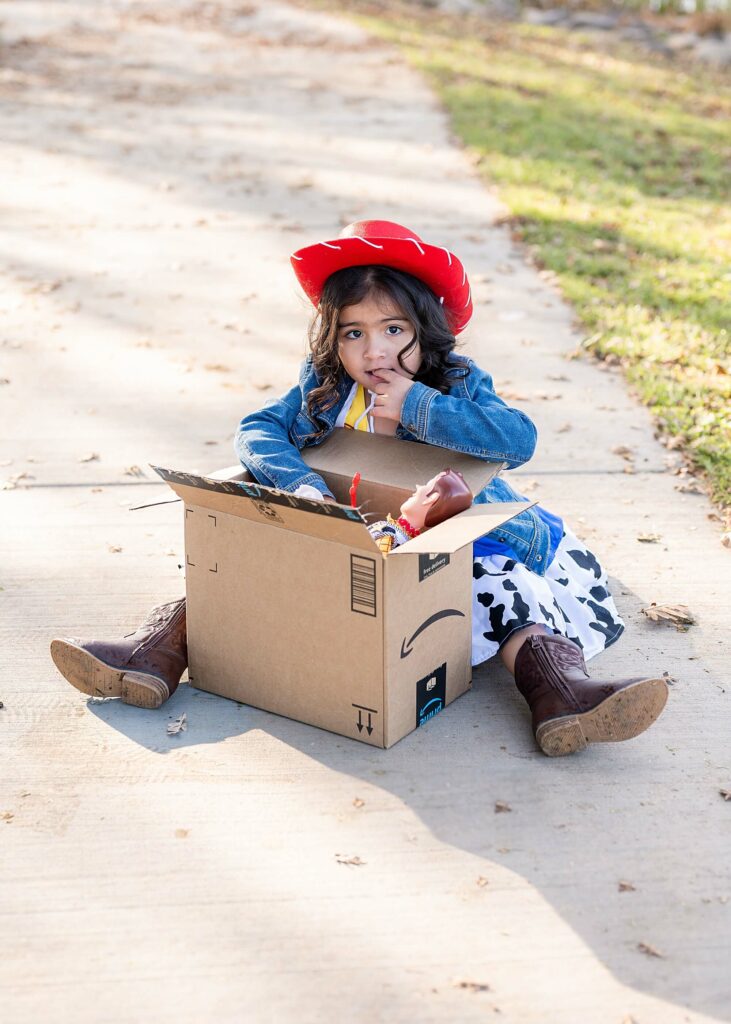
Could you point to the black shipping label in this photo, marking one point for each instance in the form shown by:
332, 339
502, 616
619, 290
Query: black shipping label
363, 585
431, 694
429, 564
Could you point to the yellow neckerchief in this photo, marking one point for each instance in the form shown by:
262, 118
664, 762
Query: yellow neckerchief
357, 407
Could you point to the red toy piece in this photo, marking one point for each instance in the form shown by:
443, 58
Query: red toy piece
354, 490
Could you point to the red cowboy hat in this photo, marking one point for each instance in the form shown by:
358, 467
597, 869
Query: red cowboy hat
384, 243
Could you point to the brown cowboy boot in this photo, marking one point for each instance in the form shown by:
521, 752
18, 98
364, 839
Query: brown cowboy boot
143, 669
569, 709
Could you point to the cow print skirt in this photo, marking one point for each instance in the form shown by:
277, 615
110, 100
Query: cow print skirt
572, 599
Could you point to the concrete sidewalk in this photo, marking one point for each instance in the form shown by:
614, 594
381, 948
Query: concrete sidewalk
159, 163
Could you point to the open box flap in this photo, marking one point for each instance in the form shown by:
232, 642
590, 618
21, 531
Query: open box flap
391, 461
338, 523
236, 472
454, 533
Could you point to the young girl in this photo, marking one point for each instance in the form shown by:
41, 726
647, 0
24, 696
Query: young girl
382, 359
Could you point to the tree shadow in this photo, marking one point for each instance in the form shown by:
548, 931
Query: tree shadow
577, 826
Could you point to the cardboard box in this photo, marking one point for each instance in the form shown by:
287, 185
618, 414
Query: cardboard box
292, 608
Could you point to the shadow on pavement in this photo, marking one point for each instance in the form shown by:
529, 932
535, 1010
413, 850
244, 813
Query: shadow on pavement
578, 826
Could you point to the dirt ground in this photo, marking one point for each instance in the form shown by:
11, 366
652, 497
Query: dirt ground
158, 163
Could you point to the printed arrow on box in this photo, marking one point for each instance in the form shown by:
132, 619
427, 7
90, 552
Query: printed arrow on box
406, 647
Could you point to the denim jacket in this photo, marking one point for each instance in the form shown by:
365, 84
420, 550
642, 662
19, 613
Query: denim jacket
470, 418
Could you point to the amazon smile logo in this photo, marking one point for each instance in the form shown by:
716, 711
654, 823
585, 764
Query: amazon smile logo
406, 645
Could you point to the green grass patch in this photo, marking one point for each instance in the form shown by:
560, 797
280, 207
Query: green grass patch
616, 167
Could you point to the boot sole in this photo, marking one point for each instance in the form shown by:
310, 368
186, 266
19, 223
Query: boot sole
92, 676
622, 716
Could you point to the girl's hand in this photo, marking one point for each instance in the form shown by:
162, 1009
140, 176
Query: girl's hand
390, 395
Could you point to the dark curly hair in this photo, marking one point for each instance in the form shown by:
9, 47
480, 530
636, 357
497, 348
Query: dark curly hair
419, 305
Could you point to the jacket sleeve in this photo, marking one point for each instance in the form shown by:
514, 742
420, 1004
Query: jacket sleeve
479, 424
264, 446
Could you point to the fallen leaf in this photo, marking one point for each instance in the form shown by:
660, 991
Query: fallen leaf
482, 881
211, 442
648, 950
12, 482
563, 428
262, 386
649, 538
181, 833
625, 886
351, 861
725, 793
726, 540
473, 986
547, 396
7, 815
528, 485
114, 548
671, 443
217, 368
91, 457
134, 471
670, 680
501, 807
358, 802
179, 725
44, 287
514, 396
624, 450
689, 487
558, 376
679, 614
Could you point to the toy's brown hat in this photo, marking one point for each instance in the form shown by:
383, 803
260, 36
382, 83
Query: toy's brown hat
454, 496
